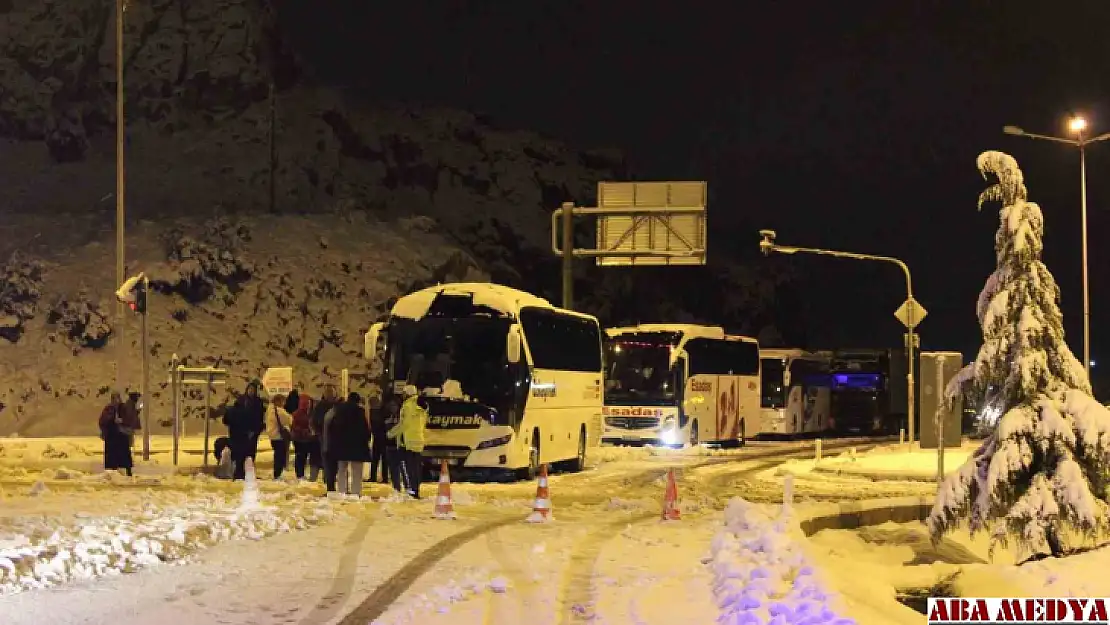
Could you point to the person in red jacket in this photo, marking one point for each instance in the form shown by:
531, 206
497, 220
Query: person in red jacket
306, 442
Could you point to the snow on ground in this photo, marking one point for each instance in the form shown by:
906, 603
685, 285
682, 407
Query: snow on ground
607, 559
894, 462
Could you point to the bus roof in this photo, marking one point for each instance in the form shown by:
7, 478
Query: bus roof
689, 330
501, 298
792, 352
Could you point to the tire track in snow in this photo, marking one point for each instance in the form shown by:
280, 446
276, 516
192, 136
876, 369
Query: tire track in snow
391, 589
521, 582
578, 593
332, 600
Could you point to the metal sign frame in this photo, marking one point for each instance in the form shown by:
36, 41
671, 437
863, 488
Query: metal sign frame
643, 224
180, 376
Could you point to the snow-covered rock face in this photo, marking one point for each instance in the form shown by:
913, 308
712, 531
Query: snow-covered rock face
397, 196
197, 81
242, 295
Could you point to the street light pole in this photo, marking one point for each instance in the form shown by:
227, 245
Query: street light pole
120, 189
767, 245
1086, 279
1077, 125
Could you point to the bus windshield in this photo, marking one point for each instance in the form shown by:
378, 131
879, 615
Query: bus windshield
639, 373
469, 350
774, 390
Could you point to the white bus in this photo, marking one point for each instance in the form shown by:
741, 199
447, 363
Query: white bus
510, 381
675, 385
797, 392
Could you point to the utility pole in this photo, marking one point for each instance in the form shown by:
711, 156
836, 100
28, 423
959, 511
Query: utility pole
568, 255
273, 147
121, 344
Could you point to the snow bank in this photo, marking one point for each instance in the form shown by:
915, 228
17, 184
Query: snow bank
761, 575
42, 551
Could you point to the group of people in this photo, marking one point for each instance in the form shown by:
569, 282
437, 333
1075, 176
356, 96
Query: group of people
332, 436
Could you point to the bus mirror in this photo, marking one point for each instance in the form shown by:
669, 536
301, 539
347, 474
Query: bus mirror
512, 344
370, 341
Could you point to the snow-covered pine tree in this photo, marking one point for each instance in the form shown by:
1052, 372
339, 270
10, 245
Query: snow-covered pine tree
1042, 475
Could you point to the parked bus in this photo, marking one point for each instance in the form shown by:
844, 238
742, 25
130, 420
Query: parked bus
511, 382
797, 393
869, 390
675, 385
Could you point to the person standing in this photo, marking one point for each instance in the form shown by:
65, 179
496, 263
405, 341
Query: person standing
378, 430
323, 411
278, 422
349, 443
245, 421
391, 414
410, 438
116, 434
306, 443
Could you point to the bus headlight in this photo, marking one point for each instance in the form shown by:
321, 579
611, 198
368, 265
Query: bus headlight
495, 442
668, 433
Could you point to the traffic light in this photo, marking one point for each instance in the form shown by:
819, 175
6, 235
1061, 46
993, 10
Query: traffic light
133, 293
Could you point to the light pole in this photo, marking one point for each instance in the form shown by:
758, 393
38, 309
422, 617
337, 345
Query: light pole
768, 245
121, 6
1078, 126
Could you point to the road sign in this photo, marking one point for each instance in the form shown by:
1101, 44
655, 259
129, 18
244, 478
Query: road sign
910, 313
664, 225
278, 381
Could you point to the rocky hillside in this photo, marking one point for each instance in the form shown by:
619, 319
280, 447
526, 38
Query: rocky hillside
368, 202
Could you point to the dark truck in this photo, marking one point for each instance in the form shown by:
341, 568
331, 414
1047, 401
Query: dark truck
869, 390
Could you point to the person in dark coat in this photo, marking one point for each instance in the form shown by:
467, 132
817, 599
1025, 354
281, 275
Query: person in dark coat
245, 422
328, 402
349, 443
391, 416
378, 429
116, 428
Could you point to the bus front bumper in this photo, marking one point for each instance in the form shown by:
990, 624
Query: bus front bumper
649, 436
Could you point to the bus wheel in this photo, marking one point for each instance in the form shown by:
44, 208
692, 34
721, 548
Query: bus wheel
579, 463
533, 469
694, 433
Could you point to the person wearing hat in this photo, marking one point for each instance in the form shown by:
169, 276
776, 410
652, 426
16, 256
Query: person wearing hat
245, 422
409, 433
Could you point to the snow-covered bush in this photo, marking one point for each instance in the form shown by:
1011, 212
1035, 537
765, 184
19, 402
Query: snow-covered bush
761, 575
80, 322
211, 267
19, 294
1046, 466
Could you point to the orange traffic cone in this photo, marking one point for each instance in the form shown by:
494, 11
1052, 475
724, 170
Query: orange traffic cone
541, 510
670, 499
444, 508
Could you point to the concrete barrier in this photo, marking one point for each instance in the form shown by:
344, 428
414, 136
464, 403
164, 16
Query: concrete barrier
855, 514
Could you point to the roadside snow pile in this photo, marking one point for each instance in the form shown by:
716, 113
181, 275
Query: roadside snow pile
761, 575
37, 552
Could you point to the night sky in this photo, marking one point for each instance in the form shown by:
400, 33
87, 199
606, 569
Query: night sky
849, 125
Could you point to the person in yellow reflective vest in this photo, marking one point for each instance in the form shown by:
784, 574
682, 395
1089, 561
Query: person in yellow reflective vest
409, 433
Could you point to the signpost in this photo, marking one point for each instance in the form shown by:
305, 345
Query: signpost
180, 377
910, 313
638, 224
278, 381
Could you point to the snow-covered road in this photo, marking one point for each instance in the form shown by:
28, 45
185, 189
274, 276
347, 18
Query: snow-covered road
607, 558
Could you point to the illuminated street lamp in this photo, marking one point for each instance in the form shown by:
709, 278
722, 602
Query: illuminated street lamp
1078, 126
767, 245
